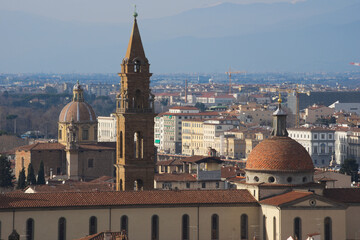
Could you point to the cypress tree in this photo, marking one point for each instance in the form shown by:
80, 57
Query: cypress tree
41, 174
6, 175
21, 180
31, 179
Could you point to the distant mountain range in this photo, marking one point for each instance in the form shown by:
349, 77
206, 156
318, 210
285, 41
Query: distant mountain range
315, 35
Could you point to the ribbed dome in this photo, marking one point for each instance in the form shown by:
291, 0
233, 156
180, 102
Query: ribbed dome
78, 112
279, 154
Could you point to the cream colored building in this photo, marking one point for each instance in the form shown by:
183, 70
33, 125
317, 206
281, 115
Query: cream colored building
317, 111
193, 137
107, 128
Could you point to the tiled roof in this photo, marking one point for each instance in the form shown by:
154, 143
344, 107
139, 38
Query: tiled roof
103, 179
279, 154
174, 177
72, 187
127, 198
98, 146
230, 171
59, 146
345, 195
165, 163
184, 108
285, 198
41, 146
199, 159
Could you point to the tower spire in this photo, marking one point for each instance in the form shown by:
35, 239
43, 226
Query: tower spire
135, 48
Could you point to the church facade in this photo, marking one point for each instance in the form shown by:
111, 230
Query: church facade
77, 154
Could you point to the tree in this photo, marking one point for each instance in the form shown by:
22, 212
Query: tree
350, 167
200, 106
31, 179
21, 180
6, 174
41, 174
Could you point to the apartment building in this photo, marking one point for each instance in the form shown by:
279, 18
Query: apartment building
168, 127
315, 112
107, 128
319, 142
254, 113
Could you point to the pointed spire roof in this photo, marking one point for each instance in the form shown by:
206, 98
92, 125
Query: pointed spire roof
135, 47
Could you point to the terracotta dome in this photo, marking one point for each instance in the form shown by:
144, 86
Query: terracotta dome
78, 112
279, 154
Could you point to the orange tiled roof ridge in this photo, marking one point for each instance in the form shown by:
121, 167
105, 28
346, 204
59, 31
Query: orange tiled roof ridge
285, 198
127, 198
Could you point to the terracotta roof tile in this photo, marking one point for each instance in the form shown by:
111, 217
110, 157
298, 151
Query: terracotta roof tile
199, 159
174, 177
165, 163
72, 187
285, 198
98, 146
41, 146
279, 154
230, 172
127, 198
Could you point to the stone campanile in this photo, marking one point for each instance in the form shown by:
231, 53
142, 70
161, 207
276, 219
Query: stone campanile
135, 155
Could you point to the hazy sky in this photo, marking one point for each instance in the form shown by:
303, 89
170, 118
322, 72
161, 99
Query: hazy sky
110, 10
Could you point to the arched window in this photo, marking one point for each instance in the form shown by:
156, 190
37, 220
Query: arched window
297, 228
244, 226
214, 227
137, 66
185, 235
274, 228
62, 229
328, 228
264, 228
30, 226
0, 229
92, 225
138, 185
124, 224
155, 227
137, 145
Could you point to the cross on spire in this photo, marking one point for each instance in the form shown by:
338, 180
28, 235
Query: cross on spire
135, 13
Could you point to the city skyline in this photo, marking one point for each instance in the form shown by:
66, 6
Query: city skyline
276, 36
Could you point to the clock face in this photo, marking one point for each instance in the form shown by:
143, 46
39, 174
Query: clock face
312, 202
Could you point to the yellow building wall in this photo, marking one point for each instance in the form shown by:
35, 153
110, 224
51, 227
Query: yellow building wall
139, 220
352, 222
312, 221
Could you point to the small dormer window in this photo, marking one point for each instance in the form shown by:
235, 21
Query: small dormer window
136, 66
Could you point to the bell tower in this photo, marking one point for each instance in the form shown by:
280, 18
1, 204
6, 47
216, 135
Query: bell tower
135, 156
